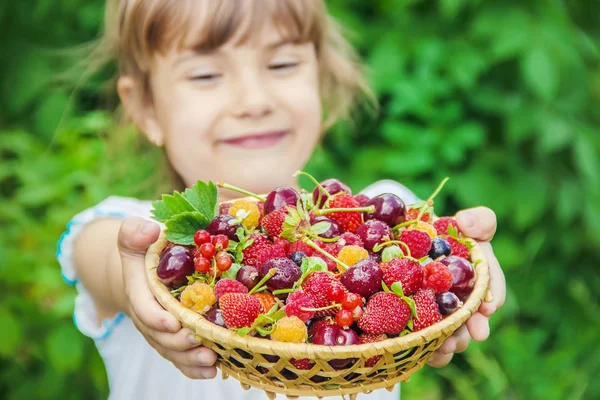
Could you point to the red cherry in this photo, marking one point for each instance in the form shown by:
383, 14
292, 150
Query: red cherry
344, 318
208, 250
201, 264
223, 261
357, 313
351, 301
335, 293
201, 237
220, 241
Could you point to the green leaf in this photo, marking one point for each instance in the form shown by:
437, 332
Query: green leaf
231, 273
201, 198
412, 305
540, 72
182, 227
391, 252
397, 288
320, 227
312, 264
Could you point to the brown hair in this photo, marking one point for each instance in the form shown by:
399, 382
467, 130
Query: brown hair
136, 30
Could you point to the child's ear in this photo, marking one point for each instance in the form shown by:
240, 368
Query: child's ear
141, 111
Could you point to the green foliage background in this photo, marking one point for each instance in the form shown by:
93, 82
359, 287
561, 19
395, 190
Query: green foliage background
501, 95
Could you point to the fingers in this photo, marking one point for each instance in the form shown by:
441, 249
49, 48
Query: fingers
479, 327
135, 235
199, 372
457, 343
497, 282
180, 341
478, 223
439, 360
198, 356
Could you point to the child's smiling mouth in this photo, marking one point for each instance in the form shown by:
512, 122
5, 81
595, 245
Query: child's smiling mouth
257, 140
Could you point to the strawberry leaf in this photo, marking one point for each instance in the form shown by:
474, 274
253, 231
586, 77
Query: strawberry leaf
412, 305
397, 288
201, 198
182, 227
312, 264
231, 273
452, 231
320, 227
391, 252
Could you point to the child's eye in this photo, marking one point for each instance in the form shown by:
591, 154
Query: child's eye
282, 66
205, 77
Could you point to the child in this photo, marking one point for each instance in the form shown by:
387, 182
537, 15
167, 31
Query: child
234, 91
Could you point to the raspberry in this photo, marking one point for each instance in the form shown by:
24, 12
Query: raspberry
418, 242
316, 285
260, 242
248, 207
295, 302
272, 223
368, 338
425, 227
459, 249
300, 246
302, 363
229, 286
385, 313
239, 310
281, 242
348, 220
408, 272
437, 277
413, 213
333, 248
269, 253
441, 225
427, 309
291, 330
350, 255
267, 300
198, 297
362, 199
350, 239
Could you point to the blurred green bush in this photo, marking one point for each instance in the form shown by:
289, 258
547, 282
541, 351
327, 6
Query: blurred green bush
500, 95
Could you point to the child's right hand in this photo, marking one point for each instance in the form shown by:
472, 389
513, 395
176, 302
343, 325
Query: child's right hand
160, 329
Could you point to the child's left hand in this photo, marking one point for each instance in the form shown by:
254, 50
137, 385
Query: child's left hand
478, 223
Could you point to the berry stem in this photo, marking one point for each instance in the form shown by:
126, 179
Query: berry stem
380, 246
312, 235
439, 188
407, 223
265, 278
282, 291
239, 190
326, 254
368, 209
334, 305
321, 188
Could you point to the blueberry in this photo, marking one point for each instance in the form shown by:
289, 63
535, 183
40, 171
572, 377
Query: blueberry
439, 248
297, 257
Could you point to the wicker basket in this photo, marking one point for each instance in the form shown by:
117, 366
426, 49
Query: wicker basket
265, 364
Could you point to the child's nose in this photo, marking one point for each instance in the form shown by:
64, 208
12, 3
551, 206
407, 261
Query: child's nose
253, 98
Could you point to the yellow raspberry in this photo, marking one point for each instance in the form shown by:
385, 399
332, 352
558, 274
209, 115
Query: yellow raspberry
246, 207
425, 227
198, 297
290, 329
352, 254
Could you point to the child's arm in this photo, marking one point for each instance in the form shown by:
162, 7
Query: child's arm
109, 259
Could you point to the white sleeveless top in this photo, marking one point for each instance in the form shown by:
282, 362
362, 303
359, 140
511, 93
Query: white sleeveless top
134, 369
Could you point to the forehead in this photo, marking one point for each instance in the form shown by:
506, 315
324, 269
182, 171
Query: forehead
205, 25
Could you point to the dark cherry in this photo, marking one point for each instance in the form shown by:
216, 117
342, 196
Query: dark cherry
463, 276
333, 186
220, 226
389, 208
334, 230
214, 315
175, 264
334, 335
285, 277
373, 232
448, 302
248, 275
282, 196
363, 278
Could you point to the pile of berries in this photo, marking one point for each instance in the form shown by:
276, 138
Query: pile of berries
325, 267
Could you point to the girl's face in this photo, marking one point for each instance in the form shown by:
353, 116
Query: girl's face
247, 113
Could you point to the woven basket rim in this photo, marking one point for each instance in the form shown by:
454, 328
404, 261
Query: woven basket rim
207, 330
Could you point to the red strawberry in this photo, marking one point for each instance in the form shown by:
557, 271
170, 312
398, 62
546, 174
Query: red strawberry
272, 223
459, 249
348, 220
427, 309
302, 363
419, 242
413, 213
260, 242
384, 267
362, 199
229, 286
300, 246
385, 313
267, 300
367, 338
441, 225
406, 271
239, 310
269, 253
437, 277
316, 286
